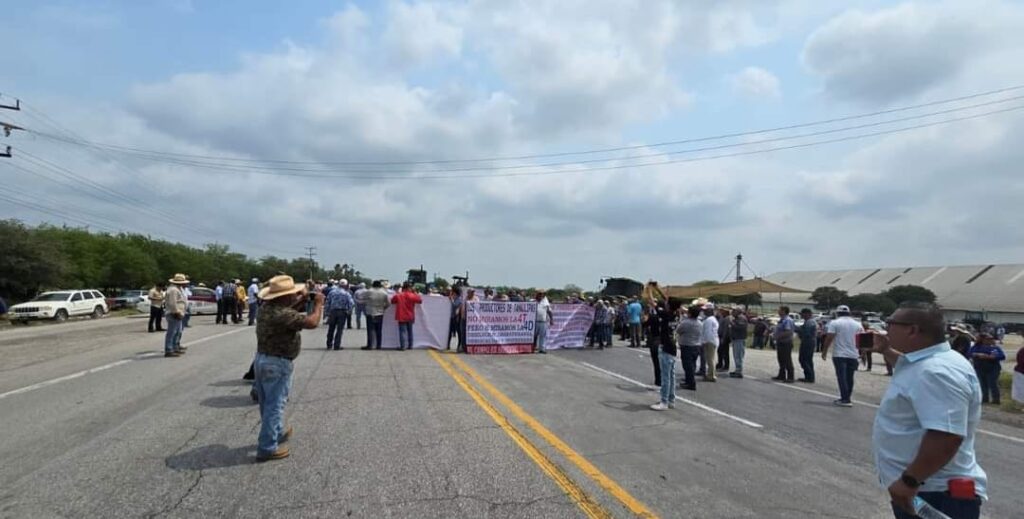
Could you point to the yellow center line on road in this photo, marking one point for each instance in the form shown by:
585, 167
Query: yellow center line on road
587, 504
608, 484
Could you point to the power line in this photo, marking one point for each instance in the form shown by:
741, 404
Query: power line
646, 164
40, 116
374, 174
119, 199
61, 204
567, 153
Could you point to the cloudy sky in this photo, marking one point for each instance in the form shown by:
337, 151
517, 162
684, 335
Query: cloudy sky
360, 128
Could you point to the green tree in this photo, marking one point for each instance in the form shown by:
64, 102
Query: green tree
28, 263
871, 303
441, 283
903, 293
826, 298
572, 289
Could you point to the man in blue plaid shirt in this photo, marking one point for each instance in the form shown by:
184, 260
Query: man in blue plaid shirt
339, 306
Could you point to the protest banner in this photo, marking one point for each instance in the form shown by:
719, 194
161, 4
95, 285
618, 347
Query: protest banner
570, 326
430, 329
499, 327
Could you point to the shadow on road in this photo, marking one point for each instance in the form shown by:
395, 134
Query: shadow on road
632, 389
211, 457
228, 401
235, 382
626, 406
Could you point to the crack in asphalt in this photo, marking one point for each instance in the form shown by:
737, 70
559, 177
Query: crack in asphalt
176, 505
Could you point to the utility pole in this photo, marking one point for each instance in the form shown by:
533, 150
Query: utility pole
7, 127
739, 273
311, 252
15, 106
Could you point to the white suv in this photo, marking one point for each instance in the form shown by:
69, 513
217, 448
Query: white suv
61, 305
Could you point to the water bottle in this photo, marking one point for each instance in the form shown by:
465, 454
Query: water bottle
926, 511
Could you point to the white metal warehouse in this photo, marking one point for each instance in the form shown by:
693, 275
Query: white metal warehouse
996, 290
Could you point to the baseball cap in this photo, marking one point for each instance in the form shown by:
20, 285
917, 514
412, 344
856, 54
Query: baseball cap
843, 309
709, 306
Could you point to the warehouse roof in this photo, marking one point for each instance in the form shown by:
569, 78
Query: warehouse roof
969, 287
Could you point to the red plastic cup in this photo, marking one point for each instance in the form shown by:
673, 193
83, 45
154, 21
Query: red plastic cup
961, 488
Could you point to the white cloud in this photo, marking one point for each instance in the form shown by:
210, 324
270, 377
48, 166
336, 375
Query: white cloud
419, 32
895, 53
424, 81
756, 83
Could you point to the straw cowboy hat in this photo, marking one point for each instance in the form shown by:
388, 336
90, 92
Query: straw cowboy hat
179, 279
280, 286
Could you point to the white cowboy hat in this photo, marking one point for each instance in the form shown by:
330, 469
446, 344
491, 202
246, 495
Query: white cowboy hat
280, 286
179, 279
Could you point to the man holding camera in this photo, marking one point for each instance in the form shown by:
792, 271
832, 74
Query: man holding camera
277, 345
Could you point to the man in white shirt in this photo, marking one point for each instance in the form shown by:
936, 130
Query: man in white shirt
842, 334
253, 300
926, 425
541, 321
709, 338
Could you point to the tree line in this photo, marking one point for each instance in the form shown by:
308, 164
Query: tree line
46, 257
827, 298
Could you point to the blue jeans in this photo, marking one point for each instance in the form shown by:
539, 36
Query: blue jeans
956, 508
188, 317
360, 310
689, 355
807, 359
668, 377
335, 327
988, 377
172, 340
254, 310
739, 349
273, 380
845, 368
405, 335
540, 334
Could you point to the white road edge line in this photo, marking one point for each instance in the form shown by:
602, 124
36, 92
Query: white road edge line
699, 405
875, 406
97, 369
869, 404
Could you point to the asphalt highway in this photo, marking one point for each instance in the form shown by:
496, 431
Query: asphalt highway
96, 423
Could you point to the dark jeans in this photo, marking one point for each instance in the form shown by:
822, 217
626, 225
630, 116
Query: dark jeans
230, 305
758, 342
723, 354
955, 508
374, 330
988, 376
653, 347
807, 359
220, 310
702, 364
336, 327
156, 317
689, 355
784, 354
405, 339
348, 321
845, 369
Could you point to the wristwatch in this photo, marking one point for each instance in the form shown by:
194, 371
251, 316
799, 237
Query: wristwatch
910, 481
